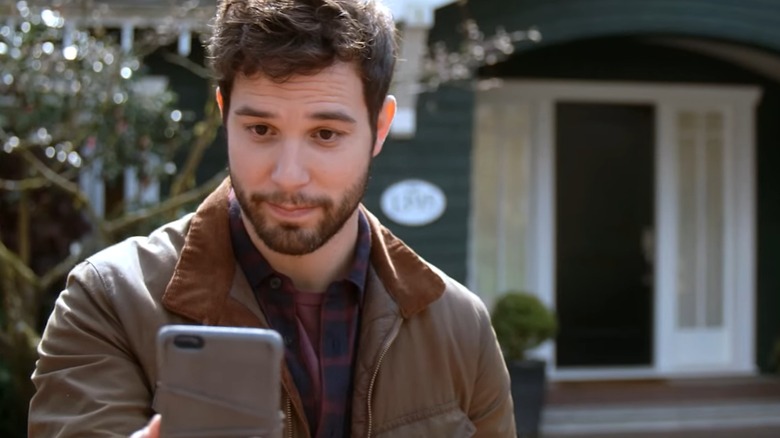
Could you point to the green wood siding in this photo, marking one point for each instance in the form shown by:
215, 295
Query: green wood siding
439, 153
753, 22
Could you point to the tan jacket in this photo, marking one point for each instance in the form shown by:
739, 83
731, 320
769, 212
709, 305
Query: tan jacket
428, 364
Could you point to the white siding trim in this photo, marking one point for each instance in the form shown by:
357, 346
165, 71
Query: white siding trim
665, 312
622, 92
746, 230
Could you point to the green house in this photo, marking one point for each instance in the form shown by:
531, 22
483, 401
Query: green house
623, 169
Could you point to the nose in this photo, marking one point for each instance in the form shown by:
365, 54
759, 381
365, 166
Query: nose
290, 171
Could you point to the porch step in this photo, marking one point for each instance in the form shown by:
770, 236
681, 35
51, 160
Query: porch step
625, 418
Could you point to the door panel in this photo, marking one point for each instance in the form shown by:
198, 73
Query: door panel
604, 233
698, 322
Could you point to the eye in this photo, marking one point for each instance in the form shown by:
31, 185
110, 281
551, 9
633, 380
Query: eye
260, 130
326, 135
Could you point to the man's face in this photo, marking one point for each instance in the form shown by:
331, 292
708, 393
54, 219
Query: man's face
299, 154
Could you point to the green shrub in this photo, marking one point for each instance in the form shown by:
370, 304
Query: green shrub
522, 322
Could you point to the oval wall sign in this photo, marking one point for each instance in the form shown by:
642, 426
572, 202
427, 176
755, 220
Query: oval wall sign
413, 202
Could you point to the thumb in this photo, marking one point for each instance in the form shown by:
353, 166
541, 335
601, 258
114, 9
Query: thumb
152, 430
154, 427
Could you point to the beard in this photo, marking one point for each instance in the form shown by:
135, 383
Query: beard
293, 239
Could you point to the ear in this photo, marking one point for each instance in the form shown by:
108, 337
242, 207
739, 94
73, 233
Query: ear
220, 103
385, 120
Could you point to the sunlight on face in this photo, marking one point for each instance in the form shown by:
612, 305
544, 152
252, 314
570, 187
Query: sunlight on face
299, 153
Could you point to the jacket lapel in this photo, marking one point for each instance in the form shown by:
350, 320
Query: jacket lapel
404, 274
204, 274
207, 285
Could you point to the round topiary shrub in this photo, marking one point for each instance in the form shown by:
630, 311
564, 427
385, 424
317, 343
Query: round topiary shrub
522, 322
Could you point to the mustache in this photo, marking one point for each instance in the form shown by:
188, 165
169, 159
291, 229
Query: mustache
294, 199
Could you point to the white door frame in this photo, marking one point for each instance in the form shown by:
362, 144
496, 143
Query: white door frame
740, 101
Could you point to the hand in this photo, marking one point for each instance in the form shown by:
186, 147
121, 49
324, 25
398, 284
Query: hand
152, 430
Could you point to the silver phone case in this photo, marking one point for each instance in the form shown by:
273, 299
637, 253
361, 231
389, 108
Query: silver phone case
219, 382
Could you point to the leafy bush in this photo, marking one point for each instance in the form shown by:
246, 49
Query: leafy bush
78, 112
522, 322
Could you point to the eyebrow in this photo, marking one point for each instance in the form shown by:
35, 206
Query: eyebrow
333, 115
320, 115
252, 112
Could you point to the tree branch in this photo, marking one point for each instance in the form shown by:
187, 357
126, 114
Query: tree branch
194, 67
28, 184
70, 188
52, 176
206, 132
18, 265
117, 225
59, 270
23, 185
30, 336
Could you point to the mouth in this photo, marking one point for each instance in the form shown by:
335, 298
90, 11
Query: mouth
290, 211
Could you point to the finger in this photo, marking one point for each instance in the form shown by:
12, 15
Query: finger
154, 427
151, 430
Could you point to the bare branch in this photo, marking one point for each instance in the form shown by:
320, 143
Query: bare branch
53, 177
196, 194
59, 270
9, 257
29, 184
23, 185
70, 188
30, 336
206, 132
194, 67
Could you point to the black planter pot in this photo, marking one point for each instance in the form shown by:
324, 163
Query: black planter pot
529, 383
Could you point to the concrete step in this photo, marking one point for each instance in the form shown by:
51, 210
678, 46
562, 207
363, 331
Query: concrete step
627, 418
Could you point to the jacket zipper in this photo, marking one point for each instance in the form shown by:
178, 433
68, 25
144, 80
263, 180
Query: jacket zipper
289, 418
385, 347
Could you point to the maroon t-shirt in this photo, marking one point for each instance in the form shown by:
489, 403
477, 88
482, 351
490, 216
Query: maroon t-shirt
308, 309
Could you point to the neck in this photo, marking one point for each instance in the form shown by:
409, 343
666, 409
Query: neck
315, 271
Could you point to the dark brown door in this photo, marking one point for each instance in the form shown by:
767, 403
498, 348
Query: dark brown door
604, 190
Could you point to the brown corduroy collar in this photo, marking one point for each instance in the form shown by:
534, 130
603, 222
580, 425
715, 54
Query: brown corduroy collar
201, 282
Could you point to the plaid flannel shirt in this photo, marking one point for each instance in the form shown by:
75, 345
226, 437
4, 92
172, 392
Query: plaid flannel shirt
339, 325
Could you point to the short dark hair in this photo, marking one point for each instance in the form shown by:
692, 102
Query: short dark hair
283, 38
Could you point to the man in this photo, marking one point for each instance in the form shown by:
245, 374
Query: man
379, 343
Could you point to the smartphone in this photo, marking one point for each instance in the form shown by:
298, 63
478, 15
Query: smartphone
219, 382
